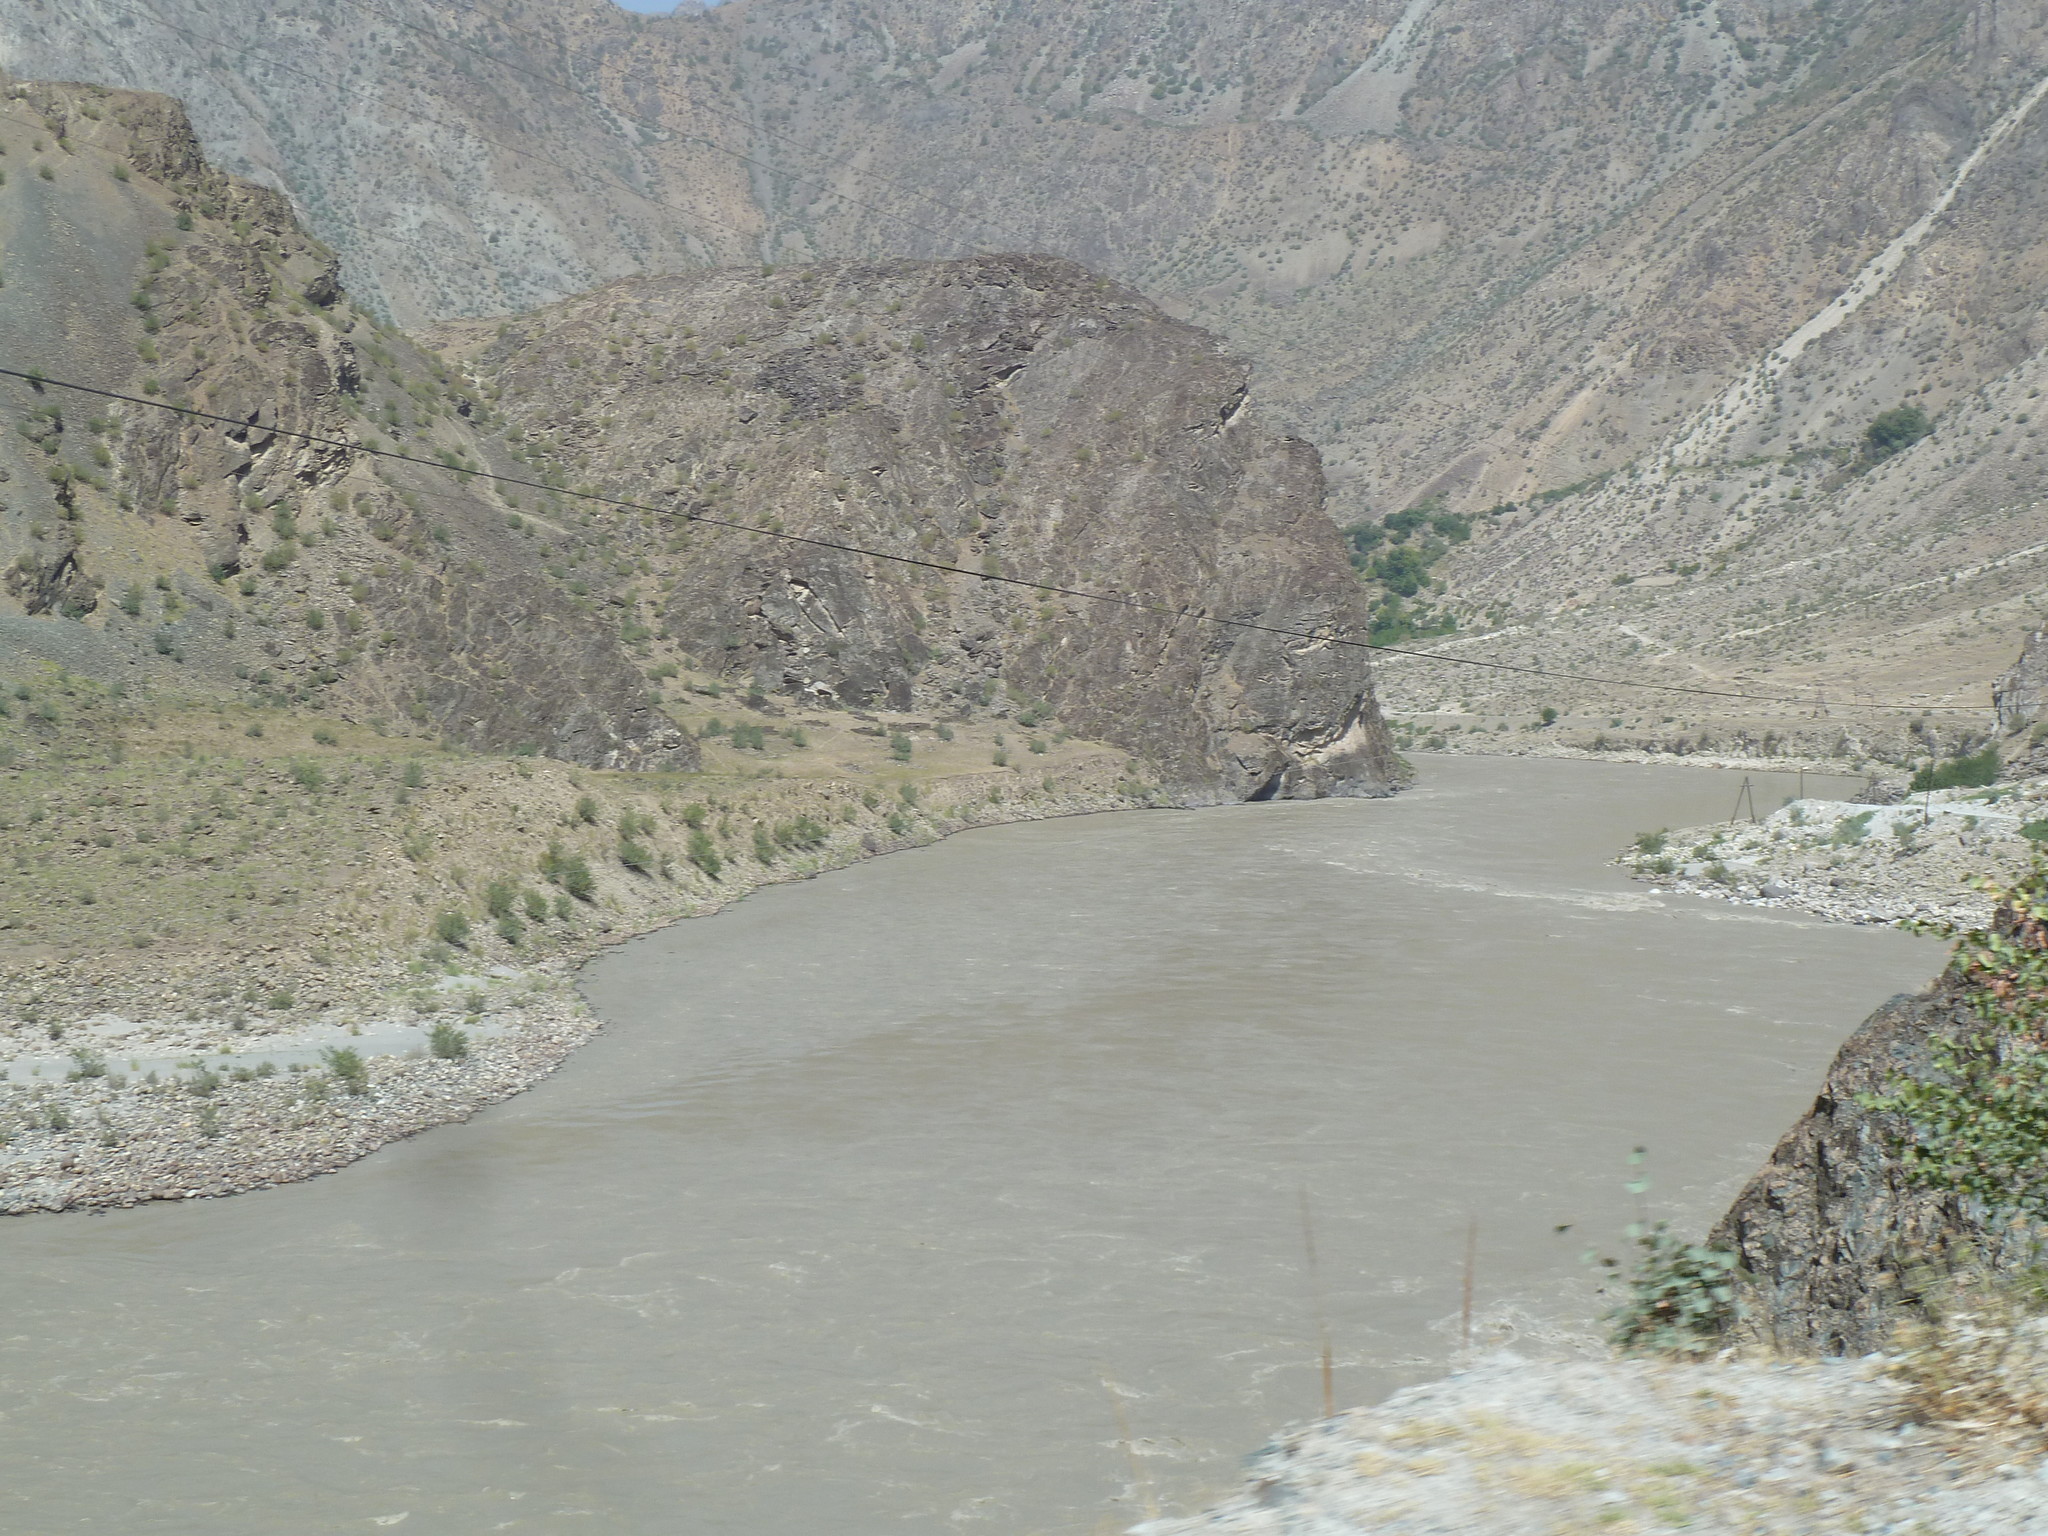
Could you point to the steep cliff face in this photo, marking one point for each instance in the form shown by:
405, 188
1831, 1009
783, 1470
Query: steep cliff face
1002, 420
207, 553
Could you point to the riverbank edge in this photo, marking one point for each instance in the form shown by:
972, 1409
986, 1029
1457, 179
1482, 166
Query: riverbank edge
257, 1133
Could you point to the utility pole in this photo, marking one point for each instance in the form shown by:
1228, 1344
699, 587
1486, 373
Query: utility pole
1742, 794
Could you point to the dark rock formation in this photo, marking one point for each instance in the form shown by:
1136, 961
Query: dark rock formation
2022, 693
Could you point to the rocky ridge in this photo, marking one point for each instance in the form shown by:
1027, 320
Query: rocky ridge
215, 552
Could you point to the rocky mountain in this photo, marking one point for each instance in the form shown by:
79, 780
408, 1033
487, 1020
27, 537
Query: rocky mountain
982, 419
1644, 274
1009, 417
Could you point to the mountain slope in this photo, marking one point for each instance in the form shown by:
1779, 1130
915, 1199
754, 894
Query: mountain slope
220, 554
1480, 252
971, 402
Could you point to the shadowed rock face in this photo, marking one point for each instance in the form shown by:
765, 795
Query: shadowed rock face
1003, 420
2019, 695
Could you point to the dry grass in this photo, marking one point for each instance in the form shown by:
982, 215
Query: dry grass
1976, 1363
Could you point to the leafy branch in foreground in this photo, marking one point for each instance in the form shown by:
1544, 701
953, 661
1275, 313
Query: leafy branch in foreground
1681, 1296
1977, 1124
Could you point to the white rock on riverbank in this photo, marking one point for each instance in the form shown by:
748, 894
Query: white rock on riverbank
1857, 863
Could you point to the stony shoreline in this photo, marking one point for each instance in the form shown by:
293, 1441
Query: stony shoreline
1910, 861
137, 1104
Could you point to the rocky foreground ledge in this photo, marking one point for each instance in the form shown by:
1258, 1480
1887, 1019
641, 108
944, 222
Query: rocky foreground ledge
1522, 1448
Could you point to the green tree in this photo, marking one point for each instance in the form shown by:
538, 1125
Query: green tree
1898, 428
1402, 570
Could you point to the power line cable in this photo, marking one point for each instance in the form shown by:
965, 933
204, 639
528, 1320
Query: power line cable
40, 381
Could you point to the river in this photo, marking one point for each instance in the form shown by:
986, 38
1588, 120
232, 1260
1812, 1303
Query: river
888, 1192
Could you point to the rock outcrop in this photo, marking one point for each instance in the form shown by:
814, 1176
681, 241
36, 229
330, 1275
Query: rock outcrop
2021, 694
1831, 1233
1005, 434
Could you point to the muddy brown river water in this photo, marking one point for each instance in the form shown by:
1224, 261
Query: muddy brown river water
878, 1178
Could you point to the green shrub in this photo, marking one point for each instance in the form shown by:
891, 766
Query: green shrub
586, 810
899, 747
536, 906
499, 896
704, 853
1972, 772
307, 775
574, 877
413, 776
325, 737
1680, 1297
803, 833
764, 846
510, 929
636, 855
1976, 1123
452, 927
694, 816
1652, 842
753, 738
348, 1067
1891, 431
86, 1064
1851, 830
2035, 831
447, 1042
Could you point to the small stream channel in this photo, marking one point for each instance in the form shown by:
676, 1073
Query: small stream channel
877, 1179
